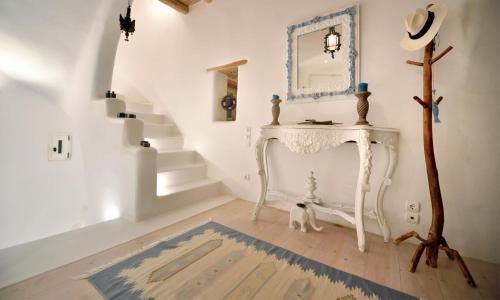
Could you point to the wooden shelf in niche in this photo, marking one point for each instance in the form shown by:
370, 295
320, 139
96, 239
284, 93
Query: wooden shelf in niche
225, 83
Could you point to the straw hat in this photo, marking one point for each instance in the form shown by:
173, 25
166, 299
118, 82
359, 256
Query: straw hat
422, 26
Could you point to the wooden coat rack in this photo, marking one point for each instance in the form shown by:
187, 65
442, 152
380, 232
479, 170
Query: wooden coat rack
435, 240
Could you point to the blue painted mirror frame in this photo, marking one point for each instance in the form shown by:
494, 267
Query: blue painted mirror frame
351, 12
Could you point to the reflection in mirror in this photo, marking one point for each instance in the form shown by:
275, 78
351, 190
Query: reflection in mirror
226, 92
231, 78
317, 69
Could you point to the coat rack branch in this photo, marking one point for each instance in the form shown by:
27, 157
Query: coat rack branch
416, 98
415, 63
445, 246
416, 257
440, 55
435, 240
407, 236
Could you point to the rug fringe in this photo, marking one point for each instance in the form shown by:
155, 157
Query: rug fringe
98, 269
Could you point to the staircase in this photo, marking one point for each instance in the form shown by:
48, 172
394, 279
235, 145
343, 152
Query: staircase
181, 174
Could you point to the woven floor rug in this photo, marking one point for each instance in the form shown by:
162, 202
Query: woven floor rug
213, 261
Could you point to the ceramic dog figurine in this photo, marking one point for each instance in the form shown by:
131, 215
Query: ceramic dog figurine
303, 215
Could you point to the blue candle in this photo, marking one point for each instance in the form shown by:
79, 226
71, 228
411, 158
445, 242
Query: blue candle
362, 87
276, 97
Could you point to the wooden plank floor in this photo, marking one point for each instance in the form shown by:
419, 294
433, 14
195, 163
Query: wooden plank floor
336, 246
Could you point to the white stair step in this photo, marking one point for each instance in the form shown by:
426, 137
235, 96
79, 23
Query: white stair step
186, 194
145, 108
159, 130
179, 167
182, 174
151, 118
172, 159
167, 143
197, 185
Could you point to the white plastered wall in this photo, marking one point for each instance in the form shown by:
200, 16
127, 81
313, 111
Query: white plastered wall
167, 59
56, 58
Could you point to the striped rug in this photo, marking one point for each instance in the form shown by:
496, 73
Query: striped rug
213, 261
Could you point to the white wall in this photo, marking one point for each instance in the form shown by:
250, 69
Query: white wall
55, 57
166, 62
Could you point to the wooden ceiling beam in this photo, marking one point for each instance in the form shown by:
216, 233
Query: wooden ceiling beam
177, 5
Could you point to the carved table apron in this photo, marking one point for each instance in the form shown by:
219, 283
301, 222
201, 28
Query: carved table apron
306, 139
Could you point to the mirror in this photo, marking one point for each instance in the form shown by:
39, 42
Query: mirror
226, 93
226, 90
322, 56
230, 89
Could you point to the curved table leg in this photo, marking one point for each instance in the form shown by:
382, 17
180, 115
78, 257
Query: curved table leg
363, 186
391, 165
261, 156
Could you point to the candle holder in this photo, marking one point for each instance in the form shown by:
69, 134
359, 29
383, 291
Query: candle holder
110, 94
275, 109
363, 107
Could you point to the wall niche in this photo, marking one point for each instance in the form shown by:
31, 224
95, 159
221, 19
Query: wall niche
225, 97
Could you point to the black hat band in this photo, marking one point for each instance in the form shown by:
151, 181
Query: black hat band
425, 28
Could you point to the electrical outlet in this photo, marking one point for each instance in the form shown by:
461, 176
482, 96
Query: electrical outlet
246, 177
413, 207
412, 218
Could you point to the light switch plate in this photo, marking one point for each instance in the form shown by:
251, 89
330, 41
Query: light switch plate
60, 147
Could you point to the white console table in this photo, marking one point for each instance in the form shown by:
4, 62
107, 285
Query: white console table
306, 139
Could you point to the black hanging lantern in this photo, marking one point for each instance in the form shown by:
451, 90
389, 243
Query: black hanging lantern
127, 25
332, 41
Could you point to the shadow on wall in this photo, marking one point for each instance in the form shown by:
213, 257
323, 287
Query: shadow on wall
55, 58
124, 86
22, 67
108, 45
